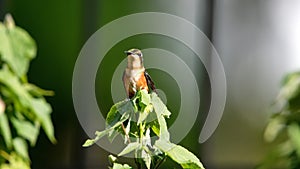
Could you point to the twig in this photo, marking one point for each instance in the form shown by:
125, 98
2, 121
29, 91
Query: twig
126, 135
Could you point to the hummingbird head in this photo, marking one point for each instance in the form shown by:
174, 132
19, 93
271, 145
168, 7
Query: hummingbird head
134, 59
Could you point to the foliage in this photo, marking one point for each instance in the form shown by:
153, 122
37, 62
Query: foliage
136, 120
23, 108
283, 128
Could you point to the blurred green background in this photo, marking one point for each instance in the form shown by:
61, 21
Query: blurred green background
258, 42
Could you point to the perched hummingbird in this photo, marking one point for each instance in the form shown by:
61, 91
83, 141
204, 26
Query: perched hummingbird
135, 76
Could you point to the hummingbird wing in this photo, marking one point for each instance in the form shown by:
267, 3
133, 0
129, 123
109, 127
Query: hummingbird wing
150, 82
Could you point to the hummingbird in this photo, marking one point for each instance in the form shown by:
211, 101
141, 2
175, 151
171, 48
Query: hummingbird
135, 76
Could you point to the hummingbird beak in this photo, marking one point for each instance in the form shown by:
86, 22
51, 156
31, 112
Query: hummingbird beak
127, 52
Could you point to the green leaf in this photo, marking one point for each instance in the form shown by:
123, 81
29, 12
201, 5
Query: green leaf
159, 106
161, 111
294, 134
114, 133
13, 83
26, 129
38, 106
100, 134
5, 130
145, 97
112, 159
274, 127
17, 48
129, 148
179, 154
142, 117
117, 111
15, 161
146, 158
88, 142
42, 110
21, 148
120, 166
155, 127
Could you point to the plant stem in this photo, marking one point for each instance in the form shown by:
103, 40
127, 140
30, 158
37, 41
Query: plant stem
160, 162
126, 135
141, 133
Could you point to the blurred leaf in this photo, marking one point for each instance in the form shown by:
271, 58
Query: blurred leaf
21, 148
145, 97
17, 48
36, 91
179, 154
42, 110
129, 148
274, 127
26, 129
294, 135
38, 106
2, 106
26, 107
142, 117
286, 122
12, 82
5, 130
15, 162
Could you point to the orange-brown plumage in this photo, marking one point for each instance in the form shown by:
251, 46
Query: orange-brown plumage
135, 78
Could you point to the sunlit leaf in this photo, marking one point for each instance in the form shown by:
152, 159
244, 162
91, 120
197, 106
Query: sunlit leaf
5, 130
114, 133
146, 158
15, 161
145, 97
155, 127
8, 79
36, 91
161, 111
129, 148
26, 129
17, 48
112, 159
42, 110
100, 134
120, 166
88, 142
275, 126
179, 154
159, 105
21, 147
